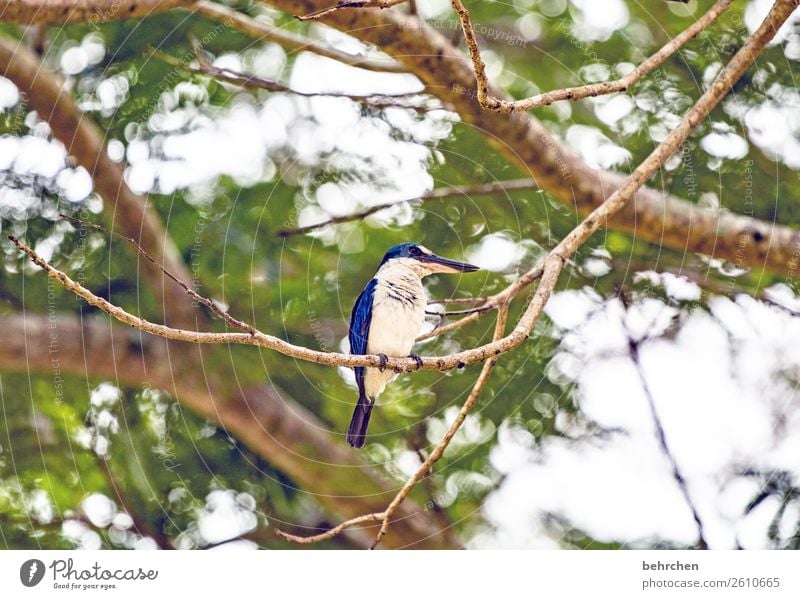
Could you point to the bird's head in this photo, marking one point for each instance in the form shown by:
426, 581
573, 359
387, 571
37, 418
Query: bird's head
423, 261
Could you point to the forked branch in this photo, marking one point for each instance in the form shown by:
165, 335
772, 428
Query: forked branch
491, 102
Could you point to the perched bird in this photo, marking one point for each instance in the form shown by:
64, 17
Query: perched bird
387, 318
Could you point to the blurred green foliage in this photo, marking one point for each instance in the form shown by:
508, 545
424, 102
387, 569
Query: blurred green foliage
302, 288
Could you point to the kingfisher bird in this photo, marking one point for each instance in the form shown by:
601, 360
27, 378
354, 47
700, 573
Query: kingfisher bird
387, 318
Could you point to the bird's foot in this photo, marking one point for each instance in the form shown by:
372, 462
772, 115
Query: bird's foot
417, 359
384, 359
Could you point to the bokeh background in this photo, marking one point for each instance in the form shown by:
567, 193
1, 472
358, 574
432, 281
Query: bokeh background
102, 443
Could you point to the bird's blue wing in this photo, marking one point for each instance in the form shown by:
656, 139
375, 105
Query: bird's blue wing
360, 320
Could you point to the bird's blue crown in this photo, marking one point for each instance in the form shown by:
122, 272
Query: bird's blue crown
402, 250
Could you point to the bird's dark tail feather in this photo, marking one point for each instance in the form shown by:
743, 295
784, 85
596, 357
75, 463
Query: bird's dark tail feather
357, 433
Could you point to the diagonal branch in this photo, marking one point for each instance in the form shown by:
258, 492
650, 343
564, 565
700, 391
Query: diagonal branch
634, 353
33, 12
555, 260
130, 213
385, 517
290, 41
438, 452
488, 101
677, 475
654, 216
550, 266
293, 439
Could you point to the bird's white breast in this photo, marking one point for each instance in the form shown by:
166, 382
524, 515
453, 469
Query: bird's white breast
398, 313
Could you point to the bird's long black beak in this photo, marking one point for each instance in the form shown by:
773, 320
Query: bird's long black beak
452, 265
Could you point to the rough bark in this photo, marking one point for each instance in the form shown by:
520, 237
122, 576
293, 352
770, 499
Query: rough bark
35, 12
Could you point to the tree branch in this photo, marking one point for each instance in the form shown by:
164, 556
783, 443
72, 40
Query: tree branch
490, 102
290, 41
260, 339
555, 260
32, 12
677, 475
246, 81
130, 213
653, 216
436, 194
263, 418
550, 266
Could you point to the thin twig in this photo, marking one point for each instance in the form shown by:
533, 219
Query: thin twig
329, 534
460, 300
349, 4
208, 303
634, 346
478, 310
254, 82
446, 328
491, 102
263, 31
436, 194
438, 452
